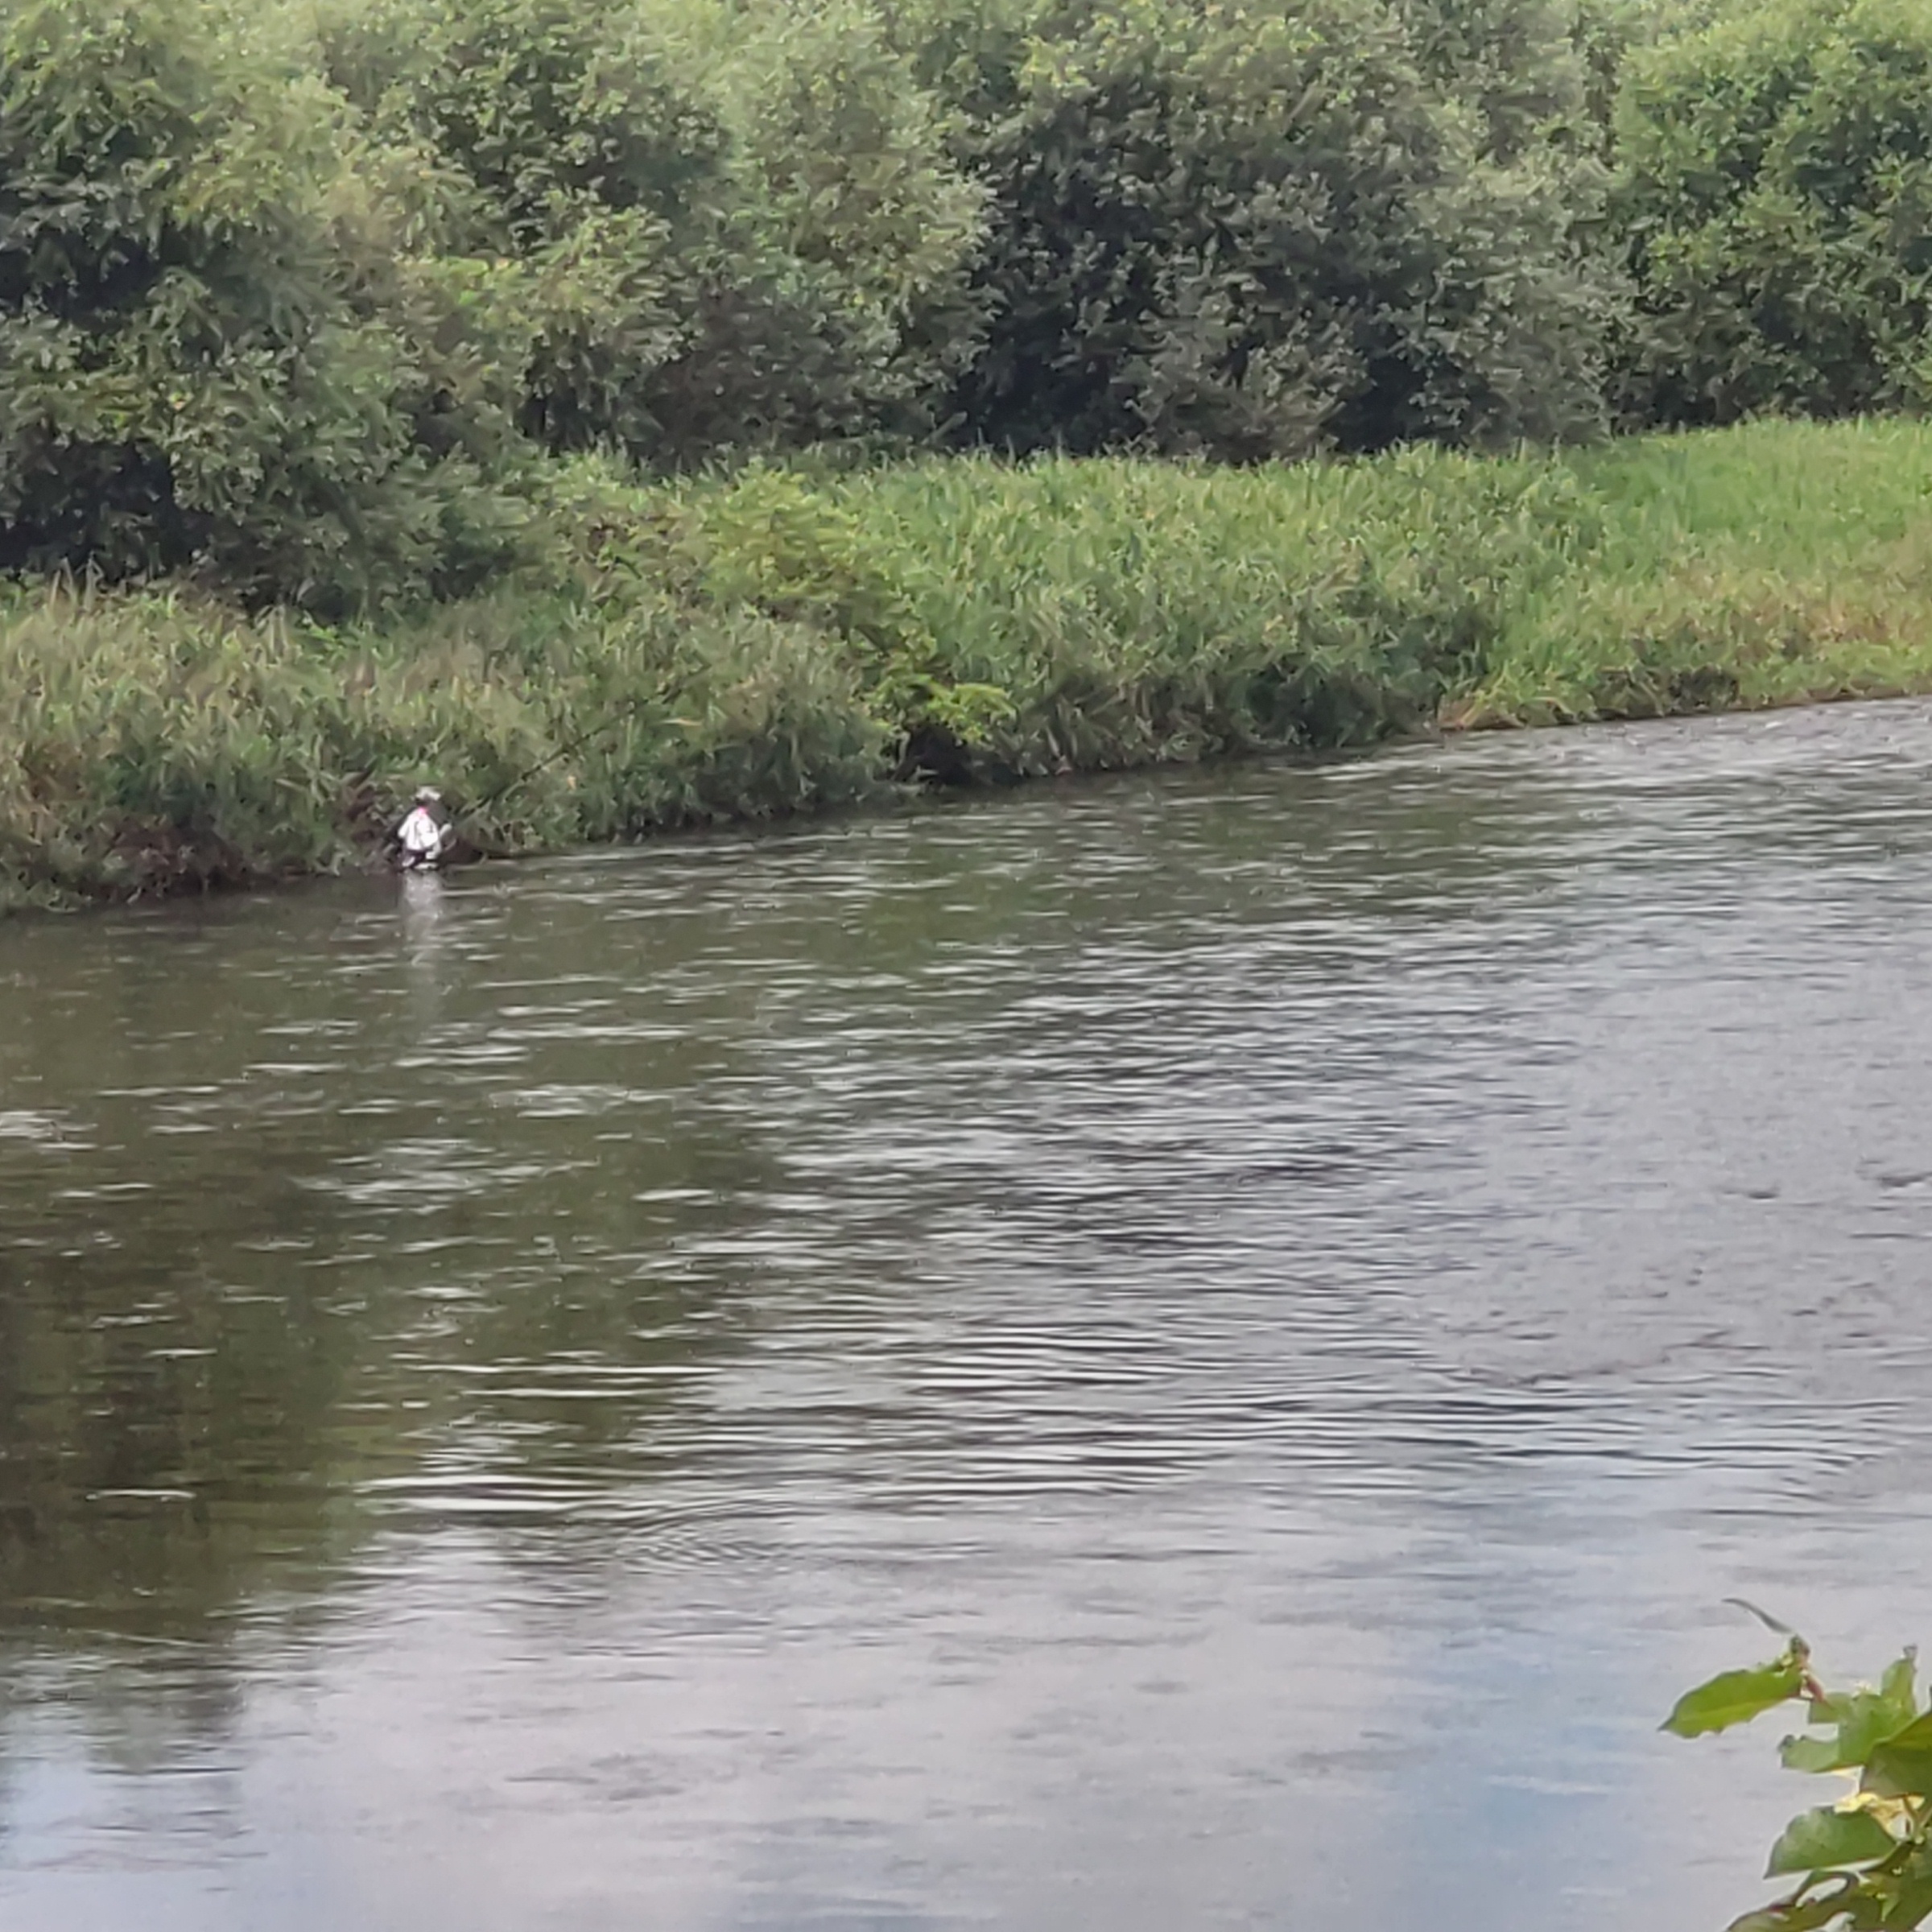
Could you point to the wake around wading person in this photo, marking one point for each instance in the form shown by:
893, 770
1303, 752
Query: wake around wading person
423, 837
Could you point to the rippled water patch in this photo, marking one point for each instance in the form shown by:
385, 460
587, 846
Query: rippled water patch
1056, 1360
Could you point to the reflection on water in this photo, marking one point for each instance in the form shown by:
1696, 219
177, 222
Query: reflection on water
1190, 1352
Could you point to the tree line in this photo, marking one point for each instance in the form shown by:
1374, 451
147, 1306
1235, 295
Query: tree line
306, 298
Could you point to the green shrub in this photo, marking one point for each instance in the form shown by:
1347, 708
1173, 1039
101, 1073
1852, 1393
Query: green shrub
720, 220
1777, 197
1229, 231
188, 381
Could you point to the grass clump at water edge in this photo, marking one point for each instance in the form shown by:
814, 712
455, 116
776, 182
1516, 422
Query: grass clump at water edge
781, 640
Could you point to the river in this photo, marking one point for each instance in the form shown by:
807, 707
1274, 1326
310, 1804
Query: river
1181, 1353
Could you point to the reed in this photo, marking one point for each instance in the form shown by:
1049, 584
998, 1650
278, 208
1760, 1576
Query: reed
783, 640
1200, 610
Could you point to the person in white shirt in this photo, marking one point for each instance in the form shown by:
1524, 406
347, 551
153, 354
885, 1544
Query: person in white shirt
423, 836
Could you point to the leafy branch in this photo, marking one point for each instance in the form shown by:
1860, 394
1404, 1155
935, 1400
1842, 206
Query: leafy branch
1864, 1863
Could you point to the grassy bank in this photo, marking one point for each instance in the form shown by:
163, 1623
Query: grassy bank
783, 641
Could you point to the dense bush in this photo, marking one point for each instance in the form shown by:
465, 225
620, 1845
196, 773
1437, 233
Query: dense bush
151, 742
195, 372
293, 298
1777, 200
1243, 231
299, 299
722, 224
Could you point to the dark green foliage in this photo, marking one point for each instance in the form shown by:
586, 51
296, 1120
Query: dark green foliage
297, 301
1241, 232
191, 378
721, 223
292, 300
1777, 200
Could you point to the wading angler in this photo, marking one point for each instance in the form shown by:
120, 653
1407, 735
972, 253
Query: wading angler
423, 839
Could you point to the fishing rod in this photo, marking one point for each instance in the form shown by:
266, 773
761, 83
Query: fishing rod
466, 816
626, 710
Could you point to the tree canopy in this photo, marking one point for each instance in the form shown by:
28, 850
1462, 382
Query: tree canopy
304, 300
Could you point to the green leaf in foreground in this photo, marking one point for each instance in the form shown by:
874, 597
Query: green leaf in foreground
1864, 1864
1902, 1767
1911, 1903
1805, 1916
1825, 1840
1810, 1754
1865, 1719
1734, 1697
1899, 1686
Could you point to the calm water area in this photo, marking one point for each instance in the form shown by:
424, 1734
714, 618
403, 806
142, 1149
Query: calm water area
1187, 1352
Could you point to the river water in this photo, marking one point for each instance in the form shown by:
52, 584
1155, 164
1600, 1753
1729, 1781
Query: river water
1193, 1352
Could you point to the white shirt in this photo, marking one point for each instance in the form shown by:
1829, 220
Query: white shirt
419, 834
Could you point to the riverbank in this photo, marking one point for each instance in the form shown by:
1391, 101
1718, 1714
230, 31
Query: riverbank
785, 641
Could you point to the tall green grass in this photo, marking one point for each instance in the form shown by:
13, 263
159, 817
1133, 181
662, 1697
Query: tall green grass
1137, 612
1773, 564
781, 641
148, 743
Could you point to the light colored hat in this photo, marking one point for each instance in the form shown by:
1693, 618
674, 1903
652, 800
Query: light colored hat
428, 794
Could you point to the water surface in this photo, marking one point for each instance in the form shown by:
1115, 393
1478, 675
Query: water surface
1197, 1352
